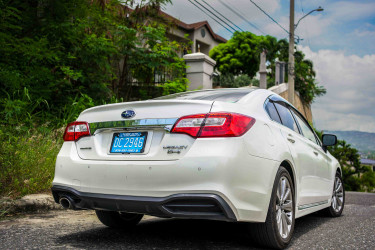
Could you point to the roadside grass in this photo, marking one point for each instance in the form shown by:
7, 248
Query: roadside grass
27, 159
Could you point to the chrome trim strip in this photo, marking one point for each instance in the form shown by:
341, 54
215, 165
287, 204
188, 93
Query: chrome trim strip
133, 124
306, 206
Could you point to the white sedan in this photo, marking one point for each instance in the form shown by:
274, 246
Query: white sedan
239, 155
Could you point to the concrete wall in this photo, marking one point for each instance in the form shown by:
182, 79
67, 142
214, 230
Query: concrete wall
207, 40
206, 43
199, 70
305, 109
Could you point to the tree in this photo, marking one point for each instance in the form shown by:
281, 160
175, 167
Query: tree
60, 55
240, 54
305, 81
230, 81
348, 158
355, 176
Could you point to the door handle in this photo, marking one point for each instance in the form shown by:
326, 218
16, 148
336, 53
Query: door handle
316, 153
291, 140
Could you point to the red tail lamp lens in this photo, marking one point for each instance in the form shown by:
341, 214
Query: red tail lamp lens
214, 125
76, 130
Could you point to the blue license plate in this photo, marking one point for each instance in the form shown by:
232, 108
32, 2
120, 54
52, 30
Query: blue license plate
128, 142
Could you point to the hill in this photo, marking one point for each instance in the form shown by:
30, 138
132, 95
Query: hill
362, 141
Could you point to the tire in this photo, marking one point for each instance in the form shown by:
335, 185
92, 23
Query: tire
118, 220
338, 198
269, 234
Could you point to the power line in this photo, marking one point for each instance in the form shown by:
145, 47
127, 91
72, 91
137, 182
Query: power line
210, 16
241, 16
269, 16
250, 23
215, 15
222, 15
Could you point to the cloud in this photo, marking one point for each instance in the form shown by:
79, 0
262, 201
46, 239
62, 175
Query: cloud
340, 25
350, 82
346, 65
366, 31
350, 11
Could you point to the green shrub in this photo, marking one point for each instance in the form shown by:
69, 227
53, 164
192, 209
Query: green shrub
176, 86
27, 159
243, 80
229, 80
367, 180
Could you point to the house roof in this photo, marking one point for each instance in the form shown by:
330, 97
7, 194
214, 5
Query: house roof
368, 162
189, 27
194, 26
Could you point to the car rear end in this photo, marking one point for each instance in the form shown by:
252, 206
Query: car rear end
169, 158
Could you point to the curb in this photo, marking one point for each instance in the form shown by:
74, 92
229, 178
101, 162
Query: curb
28, 203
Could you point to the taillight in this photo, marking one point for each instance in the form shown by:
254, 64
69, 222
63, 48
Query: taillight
76, 130
214, 125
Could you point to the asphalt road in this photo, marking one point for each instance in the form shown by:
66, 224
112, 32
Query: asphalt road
355, 229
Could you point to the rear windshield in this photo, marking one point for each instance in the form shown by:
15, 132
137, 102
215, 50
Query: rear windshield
225, 95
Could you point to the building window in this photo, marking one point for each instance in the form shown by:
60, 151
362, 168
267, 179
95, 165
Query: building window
203, 32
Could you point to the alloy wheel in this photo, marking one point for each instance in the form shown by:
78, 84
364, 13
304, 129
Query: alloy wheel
284, 207
338, 195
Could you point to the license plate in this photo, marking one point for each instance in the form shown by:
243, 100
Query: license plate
128, 142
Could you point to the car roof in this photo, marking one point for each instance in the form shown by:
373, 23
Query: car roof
222, 94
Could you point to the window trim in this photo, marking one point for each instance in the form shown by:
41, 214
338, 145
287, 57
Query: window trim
286, 105
275, 98
318, 142
268, 100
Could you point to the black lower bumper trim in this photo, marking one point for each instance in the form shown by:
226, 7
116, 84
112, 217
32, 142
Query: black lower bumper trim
198, 206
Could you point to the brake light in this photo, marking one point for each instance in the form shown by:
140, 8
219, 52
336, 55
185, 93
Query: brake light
76, 130
214, 125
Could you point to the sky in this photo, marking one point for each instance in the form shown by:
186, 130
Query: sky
339, 40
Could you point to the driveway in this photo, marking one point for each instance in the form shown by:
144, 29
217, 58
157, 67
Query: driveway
81, 229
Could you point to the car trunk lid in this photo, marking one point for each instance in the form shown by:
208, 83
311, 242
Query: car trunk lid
152, 118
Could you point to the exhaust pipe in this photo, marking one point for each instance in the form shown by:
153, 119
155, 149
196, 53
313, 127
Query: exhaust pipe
67, 202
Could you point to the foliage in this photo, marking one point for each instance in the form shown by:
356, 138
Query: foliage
56, 54
367, 181
226, 80
348, 158
153, 56
241, 55
46, 59
27, 159
174, 86
304, 80
61, 57
355, 176
243, 80
230, 81
370, 154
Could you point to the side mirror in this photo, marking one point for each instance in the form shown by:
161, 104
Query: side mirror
329, 140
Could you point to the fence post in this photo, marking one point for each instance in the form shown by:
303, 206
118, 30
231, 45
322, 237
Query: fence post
200, 69
263, 71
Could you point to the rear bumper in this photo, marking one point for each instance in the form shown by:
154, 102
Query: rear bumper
211, 166
198, 206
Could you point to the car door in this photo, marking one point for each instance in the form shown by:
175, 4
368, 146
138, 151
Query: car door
323, 190
303, 156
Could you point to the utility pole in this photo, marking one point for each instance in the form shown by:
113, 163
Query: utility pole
263, 70
291, 55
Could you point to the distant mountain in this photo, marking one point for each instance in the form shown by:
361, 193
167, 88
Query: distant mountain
362, 141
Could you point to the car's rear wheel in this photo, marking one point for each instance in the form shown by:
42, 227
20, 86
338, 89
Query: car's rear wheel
338, 198
278, 229
118, 219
